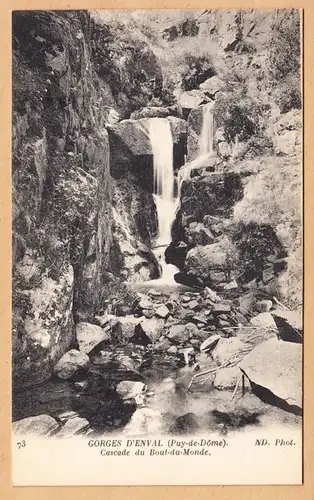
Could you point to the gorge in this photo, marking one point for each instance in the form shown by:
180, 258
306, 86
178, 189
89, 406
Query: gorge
157, 226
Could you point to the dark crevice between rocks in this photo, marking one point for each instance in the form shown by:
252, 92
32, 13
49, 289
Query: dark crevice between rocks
268, 397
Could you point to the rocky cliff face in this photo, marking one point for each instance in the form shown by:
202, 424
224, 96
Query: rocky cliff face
71, 79
85, 86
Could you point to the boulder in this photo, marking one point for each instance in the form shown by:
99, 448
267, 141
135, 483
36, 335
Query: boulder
262, 306
191, 100
212, 263
232, 285
263, 320
153, 112
185, 424
90, 336
41, 425
200, 235
133, 135
71, 363
179, 129
162, 311
226, 349
120, 361
210, 343
226, 378
182, 333
148, 313
148, 331
72, 427
221, 308
289, 326
175, 253
128, 389
193, 304
211, 295
127, 325
162, 344
145, 303
172, 350
143, 422
293, 318
211, 86
47, 328
188, 279
200, 318
274, 369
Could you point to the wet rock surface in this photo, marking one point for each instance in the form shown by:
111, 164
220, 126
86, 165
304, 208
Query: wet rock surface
155, 376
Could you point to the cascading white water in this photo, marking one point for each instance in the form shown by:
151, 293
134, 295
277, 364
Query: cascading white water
166, 204
162, 148
205, 146
206, 141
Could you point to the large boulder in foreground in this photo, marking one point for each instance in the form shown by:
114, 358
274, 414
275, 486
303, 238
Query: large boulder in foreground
41, 425
274, 369
47, 329
72, 427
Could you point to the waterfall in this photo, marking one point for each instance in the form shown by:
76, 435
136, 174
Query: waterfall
162, 149
205, 146
166, 204
206, 140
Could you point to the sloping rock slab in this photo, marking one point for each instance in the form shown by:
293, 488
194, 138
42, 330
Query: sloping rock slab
41, 425
72, 427
274, 369
289, 325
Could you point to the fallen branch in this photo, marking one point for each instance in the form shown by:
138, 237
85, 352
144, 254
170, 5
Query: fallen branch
236, 387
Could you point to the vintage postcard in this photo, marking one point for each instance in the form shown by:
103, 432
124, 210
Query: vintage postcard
157, 242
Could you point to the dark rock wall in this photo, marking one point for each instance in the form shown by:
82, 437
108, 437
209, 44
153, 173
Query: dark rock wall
71, 79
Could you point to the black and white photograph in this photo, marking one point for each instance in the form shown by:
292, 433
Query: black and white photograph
157, 247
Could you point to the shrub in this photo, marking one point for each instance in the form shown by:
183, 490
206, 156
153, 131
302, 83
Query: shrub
285, 60
287, 95
239, 115
198, 69
256, 146
285, 45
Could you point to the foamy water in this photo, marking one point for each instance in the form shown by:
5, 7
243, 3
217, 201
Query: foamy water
164, 180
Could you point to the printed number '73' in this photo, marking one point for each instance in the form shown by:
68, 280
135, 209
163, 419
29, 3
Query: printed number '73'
21, 444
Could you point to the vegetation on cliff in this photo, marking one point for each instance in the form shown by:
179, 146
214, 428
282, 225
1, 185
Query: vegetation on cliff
84, 218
